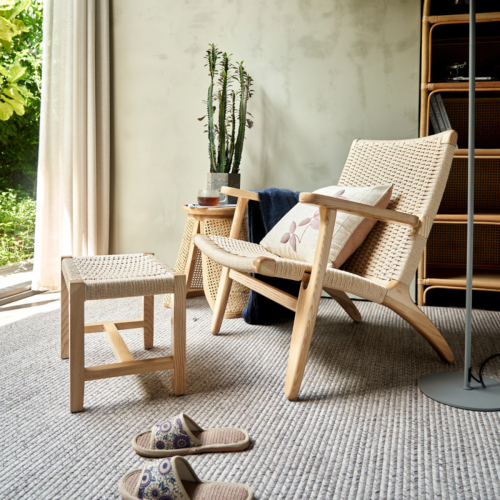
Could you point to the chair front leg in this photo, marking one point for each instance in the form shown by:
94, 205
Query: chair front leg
221, 300
307, 307
225, 281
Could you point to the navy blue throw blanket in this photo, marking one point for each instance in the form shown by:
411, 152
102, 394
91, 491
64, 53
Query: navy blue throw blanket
262, 217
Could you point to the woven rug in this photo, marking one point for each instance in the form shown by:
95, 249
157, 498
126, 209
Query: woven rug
360, 428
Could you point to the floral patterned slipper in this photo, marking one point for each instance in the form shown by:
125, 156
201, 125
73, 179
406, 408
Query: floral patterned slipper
182, 436
174, 479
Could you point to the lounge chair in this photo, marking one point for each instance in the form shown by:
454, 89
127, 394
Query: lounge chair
380, 270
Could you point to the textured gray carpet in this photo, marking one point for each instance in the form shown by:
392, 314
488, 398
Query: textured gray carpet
361, 428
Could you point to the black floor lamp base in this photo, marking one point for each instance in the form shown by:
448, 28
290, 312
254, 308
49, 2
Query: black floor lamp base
448, 388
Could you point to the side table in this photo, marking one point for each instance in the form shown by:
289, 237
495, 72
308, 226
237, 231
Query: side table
202, 273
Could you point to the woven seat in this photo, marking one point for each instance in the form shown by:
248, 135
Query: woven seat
239, 255
112, 277
380, 270
116, 276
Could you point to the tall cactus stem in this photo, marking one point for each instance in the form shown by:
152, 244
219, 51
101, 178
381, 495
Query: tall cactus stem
222, 114
233, 132
238, 150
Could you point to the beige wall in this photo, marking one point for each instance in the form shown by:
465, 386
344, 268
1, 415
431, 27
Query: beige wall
325, 71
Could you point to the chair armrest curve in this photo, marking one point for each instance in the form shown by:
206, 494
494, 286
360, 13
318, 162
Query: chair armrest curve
240, 193
361, 209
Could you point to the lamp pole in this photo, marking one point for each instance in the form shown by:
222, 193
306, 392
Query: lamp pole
470, 194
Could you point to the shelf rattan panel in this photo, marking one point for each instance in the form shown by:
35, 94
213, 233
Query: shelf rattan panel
486, 187
447, 245
487, 121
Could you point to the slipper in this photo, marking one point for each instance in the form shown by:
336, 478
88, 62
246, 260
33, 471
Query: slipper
182, 436
174, 479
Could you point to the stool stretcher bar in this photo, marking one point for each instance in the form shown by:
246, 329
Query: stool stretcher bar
127, 324
129, 368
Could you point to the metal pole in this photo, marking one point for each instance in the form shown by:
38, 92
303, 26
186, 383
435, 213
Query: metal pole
470, 193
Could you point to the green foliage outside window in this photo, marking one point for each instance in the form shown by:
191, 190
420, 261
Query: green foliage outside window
19, 133
12, 93
17, 226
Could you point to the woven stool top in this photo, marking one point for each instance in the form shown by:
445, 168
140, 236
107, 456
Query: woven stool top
115, 276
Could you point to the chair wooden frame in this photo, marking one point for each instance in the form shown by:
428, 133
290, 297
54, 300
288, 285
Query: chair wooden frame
306, 305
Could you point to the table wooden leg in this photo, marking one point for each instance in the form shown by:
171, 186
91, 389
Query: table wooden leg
192, 255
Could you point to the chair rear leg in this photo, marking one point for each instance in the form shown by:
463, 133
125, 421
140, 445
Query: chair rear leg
398, 299
221, 300
345, 302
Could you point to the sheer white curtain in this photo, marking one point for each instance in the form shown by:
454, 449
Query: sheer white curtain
74, 159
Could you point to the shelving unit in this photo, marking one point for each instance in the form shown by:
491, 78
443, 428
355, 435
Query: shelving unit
445, 42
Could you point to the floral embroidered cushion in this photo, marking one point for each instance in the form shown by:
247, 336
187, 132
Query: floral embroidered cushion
295, 236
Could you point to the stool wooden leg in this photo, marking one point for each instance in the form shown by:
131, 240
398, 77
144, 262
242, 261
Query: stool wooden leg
64, 319
178, 334
76, 344
148, 307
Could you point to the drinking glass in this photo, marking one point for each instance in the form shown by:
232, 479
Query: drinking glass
210, 197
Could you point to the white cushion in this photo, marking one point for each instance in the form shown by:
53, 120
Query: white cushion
295, 236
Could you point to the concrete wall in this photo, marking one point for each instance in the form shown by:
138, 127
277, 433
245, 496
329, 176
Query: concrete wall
325, 71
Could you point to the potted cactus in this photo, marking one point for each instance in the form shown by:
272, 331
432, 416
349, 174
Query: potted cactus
226, 125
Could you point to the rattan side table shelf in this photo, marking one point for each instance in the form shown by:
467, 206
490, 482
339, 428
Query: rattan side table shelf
202, 273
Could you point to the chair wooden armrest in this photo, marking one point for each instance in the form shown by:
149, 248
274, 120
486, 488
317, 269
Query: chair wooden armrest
243, 199
360, 209
240, 193
262, 265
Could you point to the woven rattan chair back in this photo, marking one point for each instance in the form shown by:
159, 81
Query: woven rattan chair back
418, 170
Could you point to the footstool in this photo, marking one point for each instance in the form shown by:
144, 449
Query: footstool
111, 277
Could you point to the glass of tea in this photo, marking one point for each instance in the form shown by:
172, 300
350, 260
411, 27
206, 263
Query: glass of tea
210, 197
